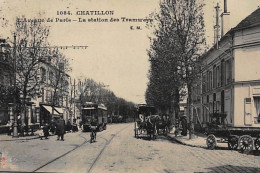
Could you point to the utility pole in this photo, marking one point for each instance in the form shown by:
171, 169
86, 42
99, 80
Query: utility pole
15, 131
74, 116
216, 27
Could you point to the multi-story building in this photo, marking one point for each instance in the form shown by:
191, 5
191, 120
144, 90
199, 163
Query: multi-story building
6, 80
230, 78
53, 92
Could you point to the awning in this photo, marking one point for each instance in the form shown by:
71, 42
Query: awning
49, 109
89, 108
60, 110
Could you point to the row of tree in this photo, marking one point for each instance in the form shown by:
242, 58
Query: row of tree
91, 91
177, 41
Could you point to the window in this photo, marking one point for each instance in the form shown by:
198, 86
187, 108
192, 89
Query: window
222, 74
214, 77
43, 74
257, 108
204, 83
210, 80
218, 77
51, 77
207, 86
228, 71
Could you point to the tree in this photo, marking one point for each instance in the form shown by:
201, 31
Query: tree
91, 91
30, 51
189, 23
58, 76
164, 83
182, 21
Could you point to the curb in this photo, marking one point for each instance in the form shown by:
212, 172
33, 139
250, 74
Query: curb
20, 139
183, 143
23, 139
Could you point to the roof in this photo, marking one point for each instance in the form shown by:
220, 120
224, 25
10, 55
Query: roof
251, 20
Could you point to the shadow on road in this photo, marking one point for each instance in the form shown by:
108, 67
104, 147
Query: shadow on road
157, 138
231, 168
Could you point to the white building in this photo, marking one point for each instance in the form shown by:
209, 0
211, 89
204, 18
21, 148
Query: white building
230, 80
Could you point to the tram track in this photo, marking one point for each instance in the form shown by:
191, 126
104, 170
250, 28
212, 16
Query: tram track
103, 149
86, 141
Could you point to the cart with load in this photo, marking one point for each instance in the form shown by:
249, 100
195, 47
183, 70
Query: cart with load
244, 138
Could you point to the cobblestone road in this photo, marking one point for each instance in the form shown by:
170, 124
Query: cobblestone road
116, 150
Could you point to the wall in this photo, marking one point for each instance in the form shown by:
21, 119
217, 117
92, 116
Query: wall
247, 54
241, 92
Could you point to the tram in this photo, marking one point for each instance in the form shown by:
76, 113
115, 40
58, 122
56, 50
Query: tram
94, 114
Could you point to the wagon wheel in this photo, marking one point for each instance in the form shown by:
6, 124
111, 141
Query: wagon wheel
155, 132
211, 142
257, 143
136, 130
246, 144
166, 130
233, 142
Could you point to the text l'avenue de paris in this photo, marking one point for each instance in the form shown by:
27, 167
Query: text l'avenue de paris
84, 16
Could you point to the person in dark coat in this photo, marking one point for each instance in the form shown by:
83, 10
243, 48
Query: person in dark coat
60, 128
52, 127
68, 126
46, 129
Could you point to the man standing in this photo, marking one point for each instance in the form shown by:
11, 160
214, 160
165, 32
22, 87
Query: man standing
60, 128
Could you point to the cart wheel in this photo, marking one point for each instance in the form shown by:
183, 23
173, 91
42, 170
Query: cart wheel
246, 144
257, 143
233, 142
211, 142
155, 131
166, 130
135, 130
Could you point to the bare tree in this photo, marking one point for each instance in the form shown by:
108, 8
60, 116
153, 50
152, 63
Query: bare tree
31, 50
58, 77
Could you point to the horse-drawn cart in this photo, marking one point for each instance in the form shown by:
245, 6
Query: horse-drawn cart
145, 125
244, 138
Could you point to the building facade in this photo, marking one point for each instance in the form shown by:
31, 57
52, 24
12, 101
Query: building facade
6, 81
230, 78
52, 99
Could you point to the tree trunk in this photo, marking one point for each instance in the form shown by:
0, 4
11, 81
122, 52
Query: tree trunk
190, 115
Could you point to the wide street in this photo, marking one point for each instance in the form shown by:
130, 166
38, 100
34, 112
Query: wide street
116, 150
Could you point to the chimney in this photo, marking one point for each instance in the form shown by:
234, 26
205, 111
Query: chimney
225, 6
225, 17
216, 27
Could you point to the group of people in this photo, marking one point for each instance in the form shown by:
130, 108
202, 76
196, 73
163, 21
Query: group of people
57, 127
21, 127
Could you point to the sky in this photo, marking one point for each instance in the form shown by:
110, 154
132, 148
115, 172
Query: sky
116, 55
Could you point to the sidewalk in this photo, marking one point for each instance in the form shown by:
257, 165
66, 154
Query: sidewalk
5, 137
199, 140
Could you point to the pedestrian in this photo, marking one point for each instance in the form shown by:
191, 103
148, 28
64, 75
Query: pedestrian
93, 134
45, 129
10, 129
52, 127
60, 128
68, 126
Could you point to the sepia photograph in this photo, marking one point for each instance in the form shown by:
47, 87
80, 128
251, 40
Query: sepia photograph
130, 86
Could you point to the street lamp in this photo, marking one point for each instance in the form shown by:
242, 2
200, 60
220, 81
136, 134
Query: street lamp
15, 132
